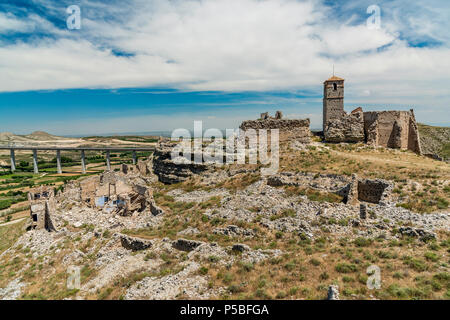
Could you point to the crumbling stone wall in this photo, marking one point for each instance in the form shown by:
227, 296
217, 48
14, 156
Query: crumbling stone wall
392, 129
290, 129
42, 207
348, 128
113, 192
169, 171
374, 191
367, 190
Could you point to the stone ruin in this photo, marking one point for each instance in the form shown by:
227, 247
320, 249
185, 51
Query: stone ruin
352, 190
390, 129
349, 128
169, 171
290, 129
123, 193
42, 206
377, 191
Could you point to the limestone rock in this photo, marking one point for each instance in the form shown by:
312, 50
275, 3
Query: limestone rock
155, 210
422, 234
169, 171
233, 230
239, 247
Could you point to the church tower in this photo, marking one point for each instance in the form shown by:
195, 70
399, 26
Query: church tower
333, 99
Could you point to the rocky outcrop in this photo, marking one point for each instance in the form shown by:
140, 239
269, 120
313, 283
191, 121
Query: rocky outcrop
170, 171
349, 128
323, 182
434, 141
155, 210
422, 234
239, 247
233, 231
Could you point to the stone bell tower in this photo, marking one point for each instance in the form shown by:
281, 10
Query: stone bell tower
333, 99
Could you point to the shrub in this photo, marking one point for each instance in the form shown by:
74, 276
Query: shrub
432, 256
362, 242
314, 262
346, 268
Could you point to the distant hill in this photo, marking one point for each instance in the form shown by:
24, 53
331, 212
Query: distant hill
435, 140
43, 136
6, 137
37, 136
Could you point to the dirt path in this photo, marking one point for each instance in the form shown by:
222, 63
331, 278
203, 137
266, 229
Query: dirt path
11, 222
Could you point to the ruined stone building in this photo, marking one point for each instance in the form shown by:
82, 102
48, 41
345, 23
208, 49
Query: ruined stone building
391, 129
122, 193
42, 206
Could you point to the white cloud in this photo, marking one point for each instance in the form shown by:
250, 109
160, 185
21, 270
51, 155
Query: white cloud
226, 45
8, 23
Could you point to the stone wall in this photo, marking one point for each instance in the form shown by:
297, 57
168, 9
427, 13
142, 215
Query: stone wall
169, 171
42, 207
290, 129
374, 191
348, 128
392, 129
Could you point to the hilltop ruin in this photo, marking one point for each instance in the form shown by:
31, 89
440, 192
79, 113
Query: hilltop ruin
390, 129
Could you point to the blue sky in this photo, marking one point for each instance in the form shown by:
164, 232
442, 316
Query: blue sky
151, 65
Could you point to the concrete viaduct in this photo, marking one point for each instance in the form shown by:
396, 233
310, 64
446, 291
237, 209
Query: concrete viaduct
58, 155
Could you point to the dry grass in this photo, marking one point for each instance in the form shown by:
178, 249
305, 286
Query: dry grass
421, 184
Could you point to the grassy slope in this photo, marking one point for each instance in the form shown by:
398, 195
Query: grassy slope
410, 268
435, 140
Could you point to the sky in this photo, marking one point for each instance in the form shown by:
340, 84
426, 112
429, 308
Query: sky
157, 65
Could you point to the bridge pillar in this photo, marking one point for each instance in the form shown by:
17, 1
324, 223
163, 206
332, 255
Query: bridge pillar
83, 162
108, 160
13, 161
58, 161
35, 161
134, 157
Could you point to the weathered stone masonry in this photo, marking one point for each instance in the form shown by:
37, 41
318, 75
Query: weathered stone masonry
391, 129
290, 129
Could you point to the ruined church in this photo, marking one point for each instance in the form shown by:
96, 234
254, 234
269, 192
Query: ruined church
391, 129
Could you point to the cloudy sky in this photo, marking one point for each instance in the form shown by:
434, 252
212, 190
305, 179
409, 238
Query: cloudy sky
146, 65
